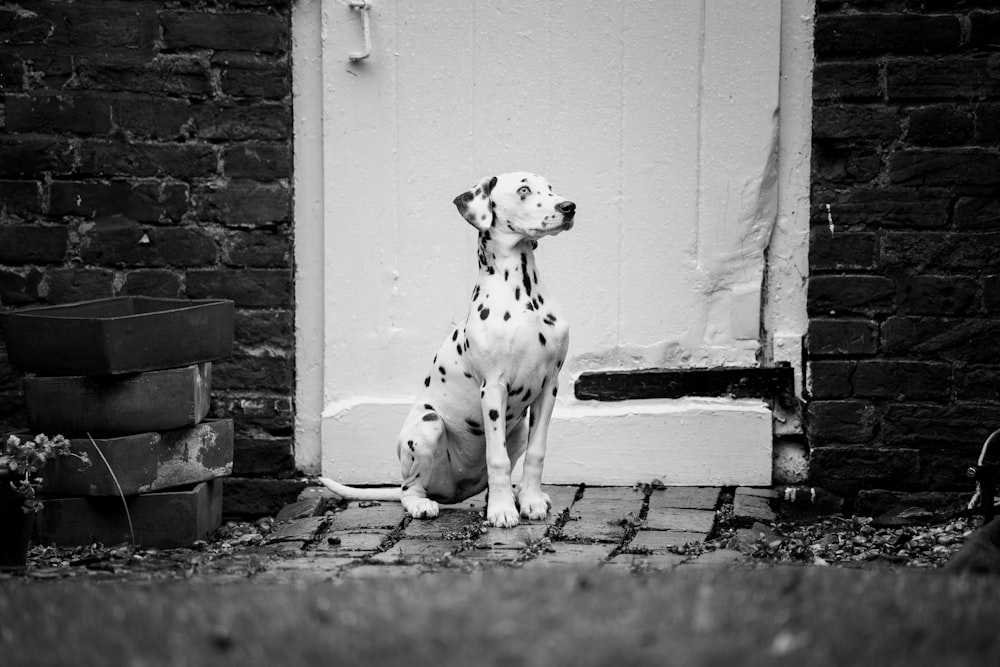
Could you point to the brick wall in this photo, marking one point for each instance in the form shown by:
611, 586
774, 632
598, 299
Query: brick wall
904, 298
145, 148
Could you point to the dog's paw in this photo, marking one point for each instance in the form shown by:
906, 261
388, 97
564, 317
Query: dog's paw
534, 504
502, 515
421, 508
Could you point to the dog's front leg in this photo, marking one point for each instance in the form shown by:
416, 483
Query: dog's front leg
500, 510
533, 501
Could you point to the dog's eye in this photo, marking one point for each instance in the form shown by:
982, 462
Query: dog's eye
524, 190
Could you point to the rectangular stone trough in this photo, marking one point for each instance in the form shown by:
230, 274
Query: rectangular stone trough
119, 335
105, 405
164, 520
144, 462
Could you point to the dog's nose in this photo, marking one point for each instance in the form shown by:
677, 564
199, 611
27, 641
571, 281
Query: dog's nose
566, 207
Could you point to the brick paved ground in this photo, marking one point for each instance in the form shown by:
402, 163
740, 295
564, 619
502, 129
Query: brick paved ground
617, 528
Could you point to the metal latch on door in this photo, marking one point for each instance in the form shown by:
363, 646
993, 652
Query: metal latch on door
363, 6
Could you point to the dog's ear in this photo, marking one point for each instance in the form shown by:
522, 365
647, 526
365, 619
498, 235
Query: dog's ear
476, 206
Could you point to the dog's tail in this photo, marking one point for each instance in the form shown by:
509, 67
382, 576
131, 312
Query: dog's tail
355, 493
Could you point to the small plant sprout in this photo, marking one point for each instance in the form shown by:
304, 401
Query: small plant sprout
21, 463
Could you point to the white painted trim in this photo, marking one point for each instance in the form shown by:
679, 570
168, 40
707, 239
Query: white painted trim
307, 106
785, 319
692, 441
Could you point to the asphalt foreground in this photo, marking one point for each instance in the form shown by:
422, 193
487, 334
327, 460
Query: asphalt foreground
796, 615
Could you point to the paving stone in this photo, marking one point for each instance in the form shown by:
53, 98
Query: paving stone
489, 555
519, 537
662, 540
302, 508
600, 520
750, 507
416, 551
686, 497
305, 569
646, 562
347, 542
624, 494
450, 524
355, 517
302, 530
569, 553
757, 491
718, 558
670, 518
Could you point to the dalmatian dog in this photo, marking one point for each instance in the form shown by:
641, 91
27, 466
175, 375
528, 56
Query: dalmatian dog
488, 397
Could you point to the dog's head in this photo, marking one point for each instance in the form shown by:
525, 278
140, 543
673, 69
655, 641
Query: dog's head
518, 202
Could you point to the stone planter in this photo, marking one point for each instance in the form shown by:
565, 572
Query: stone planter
15, 529
117, 405
120, 335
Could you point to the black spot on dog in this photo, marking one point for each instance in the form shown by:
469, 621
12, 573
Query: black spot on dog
430, 417
428, 406
527, 395
534, 245
540, 299
541, 338
458, 348
484, 313
468, 375
506, 274
530, 306
441, 370
494, 415
406, 487
475, 293
473, 424
524, 274
454, 336
506, 316
427, 381
409, 443
517, 294
555, 390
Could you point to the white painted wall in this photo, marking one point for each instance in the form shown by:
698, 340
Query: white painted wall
659, 119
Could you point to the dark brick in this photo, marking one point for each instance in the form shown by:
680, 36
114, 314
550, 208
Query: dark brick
151, 117
13, 413
39, 67
943, 468
847, 294
138, 73
876, 502
258, 161
20, 288
966, 77
830, 379
261, 121
237, 32
845, 81
943, 251
20, 26
145, 202
836, 163
244, 498
967, 166
879, 207
152, 282
253, 372
78, 284
93, 26
267, 327
32, 155
923, 426
870, 33
116, 158
260, 250
850, 121
977, 213
12, 74
846, 470
954, 339
18, 198
120, 242
33, 244
991, 294
843, 251
983, 29
841, 422
978, 383
842, 337
245, 204
263, 456
987, 124
940, 125
79, 113
272, 414
902, 380
938, 295
248, 288
253, 75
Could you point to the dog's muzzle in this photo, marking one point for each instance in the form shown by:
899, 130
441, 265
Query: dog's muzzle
568, 210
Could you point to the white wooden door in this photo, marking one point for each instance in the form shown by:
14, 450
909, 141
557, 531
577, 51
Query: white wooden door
659, 119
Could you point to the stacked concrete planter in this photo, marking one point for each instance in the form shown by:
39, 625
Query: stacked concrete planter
127, 380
